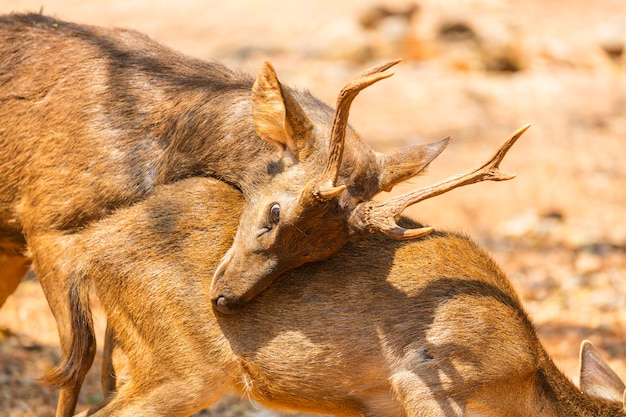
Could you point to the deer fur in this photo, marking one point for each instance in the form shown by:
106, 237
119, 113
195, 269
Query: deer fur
426, 327
94, 119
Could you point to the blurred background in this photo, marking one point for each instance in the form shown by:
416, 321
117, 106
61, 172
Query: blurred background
475, 70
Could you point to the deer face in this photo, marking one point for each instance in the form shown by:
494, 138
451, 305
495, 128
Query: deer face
277, 232
305, 213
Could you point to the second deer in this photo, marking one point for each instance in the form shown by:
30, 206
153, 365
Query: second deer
423, 328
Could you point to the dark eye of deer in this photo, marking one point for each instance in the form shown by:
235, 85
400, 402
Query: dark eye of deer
275, 213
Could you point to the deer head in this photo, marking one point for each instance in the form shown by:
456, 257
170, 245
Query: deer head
325, 195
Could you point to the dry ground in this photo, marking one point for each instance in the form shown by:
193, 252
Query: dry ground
474, 69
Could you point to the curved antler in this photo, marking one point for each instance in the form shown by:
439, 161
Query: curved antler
325, 188
381, 215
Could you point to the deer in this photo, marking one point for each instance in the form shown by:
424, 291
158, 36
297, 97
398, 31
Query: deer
94, 119
425, 327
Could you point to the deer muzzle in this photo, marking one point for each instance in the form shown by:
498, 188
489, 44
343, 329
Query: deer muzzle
237, 281
226, 305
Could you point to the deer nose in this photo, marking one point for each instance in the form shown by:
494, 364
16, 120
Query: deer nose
225, 306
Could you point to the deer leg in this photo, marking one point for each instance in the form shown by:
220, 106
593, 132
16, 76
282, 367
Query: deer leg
70, 387
69, 303
57, 290
148, 400
115, 366
143, 385
109, 376
12, 270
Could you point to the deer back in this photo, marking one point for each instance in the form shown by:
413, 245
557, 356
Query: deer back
425, 327
94, 118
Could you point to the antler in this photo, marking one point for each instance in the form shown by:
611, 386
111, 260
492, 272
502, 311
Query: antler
325, 188
381, 215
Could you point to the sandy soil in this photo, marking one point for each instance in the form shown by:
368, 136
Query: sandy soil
475, 70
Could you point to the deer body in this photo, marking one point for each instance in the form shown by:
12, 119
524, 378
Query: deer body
428, 327
93, 120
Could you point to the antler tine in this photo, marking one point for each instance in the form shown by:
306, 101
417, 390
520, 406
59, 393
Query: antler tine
375, 215
379, 68
325, 188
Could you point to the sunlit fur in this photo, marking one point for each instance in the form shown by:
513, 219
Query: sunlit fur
93, 119
429, 327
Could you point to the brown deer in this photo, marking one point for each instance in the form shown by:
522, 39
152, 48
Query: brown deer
427, 327
94, 119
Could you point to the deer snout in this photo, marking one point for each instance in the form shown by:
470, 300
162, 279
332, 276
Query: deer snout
221, 301
238, 279
226, 305
221, 293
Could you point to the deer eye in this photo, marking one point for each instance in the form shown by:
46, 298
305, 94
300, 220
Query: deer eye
275, 213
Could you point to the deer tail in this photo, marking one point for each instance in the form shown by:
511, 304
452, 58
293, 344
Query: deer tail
78, 358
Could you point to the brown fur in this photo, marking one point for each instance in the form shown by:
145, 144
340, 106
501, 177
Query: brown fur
94, 119
429, 327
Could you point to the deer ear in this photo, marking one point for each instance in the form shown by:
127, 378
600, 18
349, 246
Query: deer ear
407, 163
277, 116
596, 376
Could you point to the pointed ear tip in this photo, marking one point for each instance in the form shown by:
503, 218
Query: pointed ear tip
445, 141
586, 344
267, 68
439, 146
587, 348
